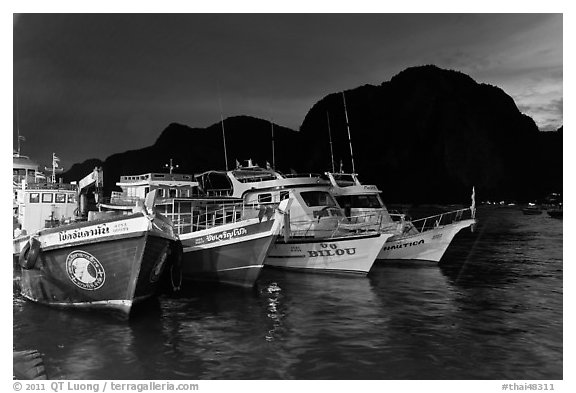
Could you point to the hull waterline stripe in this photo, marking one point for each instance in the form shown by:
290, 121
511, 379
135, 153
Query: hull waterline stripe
241, 268
315, 270
286, 256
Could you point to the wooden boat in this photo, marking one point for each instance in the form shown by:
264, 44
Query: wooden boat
102, 261
108, 263
423, 239
223, 240
316, 236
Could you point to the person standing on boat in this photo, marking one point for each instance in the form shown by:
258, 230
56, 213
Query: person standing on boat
18, 231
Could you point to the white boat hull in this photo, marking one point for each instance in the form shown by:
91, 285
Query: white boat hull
428, 246
347, 254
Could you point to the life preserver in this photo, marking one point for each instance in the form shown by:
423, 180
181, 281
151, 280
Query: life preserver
29, 254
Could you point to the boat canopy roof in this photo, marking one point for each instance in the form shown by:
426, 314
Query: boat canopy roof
23, 162
253, 175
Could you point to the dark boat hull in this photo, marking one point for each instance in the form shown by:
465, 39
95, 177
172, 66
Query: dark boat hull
113, 273
234, 261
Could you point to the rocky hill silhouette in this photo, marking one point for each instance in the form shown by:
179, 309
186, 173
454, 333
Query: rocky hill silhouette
195, 150
427, 135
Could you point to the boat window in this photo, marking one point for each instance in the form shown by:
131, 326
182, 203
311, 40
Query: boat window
344, 200
264, 198
183, 206
173, 193
366, 201
284, 195
71, 198
47, 197
344, 180
359, 201
34, 197
318, 198
215, 182
60, 198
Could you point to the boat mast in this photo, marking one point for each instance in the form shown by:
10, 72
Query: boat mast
223, 132
20, 138
273, 157
54, 166
171, 167
349, 138
330, 138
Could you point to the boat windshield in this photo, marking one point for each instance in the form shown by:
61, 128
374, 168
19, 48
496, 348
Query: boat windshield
344, 179
318, 198
214, 183
359, 201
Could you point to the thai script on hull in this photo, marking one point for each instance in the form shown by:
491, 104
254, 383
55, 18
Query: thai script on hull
226, 235
83, 233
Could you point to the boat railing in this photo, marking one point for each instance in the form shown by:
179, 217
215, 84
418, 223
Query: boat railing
50, 186
336, 225
210, 216
428, 223
219, 192
293, 175
119, 198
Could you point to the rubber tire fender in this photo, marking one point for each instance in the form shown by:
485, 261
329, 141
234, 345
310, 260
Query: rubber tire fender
29, 254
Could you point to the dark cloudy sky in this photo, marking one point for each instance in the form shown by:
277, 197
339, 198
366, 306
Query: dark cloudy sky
89, 86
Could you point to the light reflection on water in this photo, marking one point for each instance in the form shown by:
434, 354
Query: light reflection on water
491, 310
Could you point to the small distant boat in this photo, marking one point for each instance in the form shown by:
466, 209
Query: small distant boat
556, 213
531, 210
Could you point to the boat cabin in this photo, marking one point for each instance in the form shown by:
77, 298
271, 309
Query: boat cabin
358, 199
313, 212
23, 168
244, 179
43, 205
179, 198
169, 185
38, 203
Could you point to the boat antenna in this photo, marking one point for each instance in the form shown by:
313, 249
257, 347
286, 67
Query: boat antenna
20, 137
171, 167
273, 157
223, 132
55, 161
349, 138
330, 138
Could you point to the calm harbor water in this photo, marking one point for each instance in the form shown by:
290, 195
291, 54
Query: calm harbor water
491, 310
